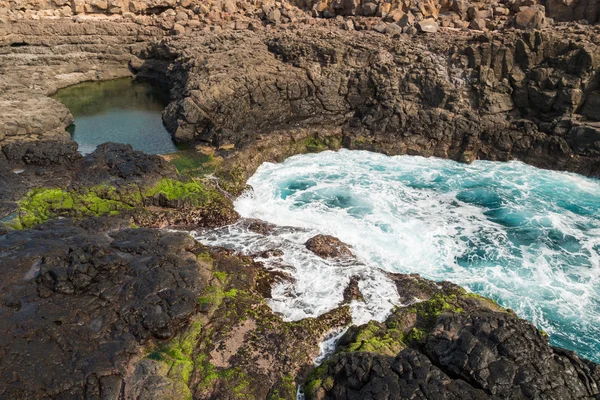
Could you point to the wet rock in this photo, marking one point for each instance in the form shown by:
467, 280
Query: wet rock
462, 345
258, 226
270, 253
91, 295
268, 279
327, 246
352, 291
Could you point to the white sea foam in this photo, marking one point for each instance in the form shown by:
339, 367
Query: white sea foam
528, 238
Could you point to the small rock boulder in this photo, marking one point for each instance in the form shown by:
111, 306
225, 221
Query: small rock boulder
406, 20
352, 291
369, 9
427, 26
274, 17
393, 30
529, 18
478, 25
327, 246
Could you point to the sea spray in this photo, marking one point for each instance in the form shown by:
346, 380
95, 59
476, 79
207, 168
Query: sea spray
526, 237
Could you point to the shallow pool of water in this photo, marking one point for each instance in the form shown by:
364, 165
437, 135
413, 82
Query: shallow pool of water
526, 237
120, 110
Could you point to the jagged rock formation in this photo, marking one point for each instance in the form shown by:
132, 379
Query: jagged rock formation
114, 312
95, 309
451, 345
511, 94
114, 179
498, 97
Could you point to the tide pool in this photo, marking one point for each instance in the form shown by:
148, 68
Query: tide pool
121, 111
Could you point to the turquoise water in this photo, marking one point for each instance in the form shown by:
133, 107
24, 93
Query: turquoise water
526, 237
120, 110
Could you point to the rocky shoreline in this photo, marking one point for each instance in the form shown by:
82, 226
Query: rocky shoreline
97, 302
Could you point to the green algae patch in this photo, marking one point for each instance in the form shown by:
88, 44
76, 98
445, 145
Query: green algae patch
193, 163
41, 205
286, 389
202, 200
376, 338
486, 302
236, 347
193, 191
316, 144
439, 303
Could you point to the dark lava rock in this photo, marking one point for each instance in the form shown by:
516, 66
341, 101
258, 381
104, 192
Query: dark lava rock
79, 301
270, 253
352, 291
43, 152
115, 162
507, 357
326, 246
450, 345
258, 226
410, 375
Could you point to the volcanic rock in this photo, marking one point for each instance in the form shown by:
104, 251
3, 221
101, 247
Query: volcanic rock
90, 296
451, 345
327, 246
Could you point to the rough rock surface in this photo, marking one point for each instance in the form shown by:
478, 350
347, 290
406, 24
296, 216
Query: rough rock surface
95, 309
79, 301
451, 345
327, 246
240, 78
114, 179
498, 97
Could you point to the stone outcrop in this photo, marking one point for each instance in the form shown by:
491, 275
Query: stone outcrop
451, 345
79, 305
498, 97
96, 309
40, 57
327, 246
112, 180
461, 95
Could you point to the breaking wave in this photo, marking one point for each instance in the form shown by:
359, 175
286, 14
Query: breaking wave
525, 237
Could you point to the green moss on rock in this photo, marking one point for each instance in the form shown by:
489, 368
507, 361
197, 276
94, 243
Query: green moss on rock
376, 338
43, 204
194, 191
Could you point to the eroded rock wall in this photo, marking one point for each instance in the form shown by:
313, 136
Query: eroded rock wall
519, 95
39, 57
